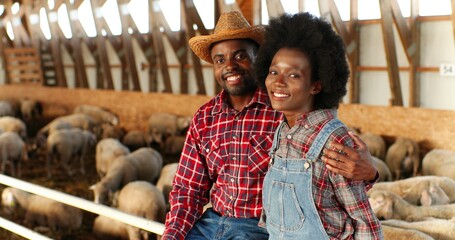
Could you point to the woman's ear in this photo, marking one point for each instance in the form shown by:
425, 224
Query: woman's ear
316, 87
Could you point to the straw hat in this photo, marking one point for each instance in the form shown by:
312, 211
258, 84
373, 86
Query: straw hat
231, 25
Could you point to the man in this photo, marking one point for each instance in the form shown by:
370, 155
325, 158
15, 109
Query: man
225, 156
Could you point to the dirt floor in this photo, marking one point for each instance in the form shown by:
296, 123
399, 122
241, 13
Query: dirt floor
34, 171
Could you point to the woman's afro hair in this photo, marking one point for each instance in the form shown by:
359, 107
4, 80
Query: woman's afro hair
324, 48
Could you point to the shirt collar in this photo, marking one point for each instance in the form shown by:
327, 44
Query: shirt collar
317, 117
222, 105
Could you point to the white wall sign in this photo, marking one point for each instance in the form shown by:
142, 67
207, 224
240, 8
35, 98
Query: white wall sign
447, 69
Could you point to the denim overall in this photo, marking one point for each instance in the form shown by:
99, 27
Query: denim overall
287, 192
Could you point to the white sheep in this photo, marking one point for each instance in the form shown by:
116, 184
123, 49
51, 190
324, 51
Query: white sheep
439, 229
396, 233
142, 164
68, 144
388, 205
375, 143
421, 190
164, 183
12, 124
30, 109
135, 139
403, 158
383, 169
163, 125
13, 151
107, 150
142, 199
77, 120
41, 211
106, 228
439, 162
99, 114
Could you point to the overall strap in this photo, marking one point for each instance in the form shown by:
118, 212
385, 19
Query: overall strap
322, 138
276, 139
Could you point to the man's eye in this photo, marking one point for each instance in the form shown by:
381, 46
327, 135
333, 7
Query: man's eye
219, 61
240, 56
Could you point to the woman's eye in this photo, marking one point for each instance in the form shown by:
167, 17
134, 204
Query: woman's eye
272, 72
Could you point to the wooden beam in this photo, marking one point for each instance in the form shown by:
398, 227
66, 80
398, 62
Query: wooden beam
189, 14
76, 41
158, 44
391, 56
274, 8
354, 53
55, 45
128, 45
414, 81
103, 59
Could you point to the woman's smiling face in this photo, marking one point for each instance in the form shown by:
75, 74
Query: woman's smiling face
289, 82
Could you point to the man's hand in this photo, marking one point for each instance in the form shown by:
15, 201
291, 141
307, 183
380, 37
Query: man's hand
356, 164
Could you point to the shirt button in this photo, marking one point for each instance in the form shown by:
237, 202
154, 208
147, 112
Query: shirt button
234, 158
232, 180
236, 117
289, 136
234, 137
231, 197
306, 126
207, 150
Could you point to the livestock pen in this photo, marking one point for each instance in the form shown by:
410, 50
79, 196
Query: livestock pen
430, 128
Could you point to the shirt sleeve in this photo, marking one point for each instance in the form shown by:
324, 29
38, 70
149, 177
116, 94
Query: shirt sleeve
369, 184
190, 189
352, 196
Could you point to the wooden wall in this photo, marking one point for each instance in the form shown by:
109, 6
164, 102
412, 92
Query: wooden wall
431, 128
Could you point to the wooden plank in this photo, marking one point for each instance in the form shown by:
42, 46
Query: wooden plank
76, 41
391, 56
414, 81
128, 45
274, 8
354, 54
103, 58
26, 76
55, 50
191, 10
28, 67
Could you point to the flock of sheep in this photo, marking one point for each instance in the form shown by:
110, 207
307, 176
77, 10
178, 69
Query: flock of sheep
134, 177
415, 197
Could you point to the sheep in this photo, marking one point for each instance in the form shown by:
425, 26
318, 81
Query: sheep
142, 199
107, 150
66, 144
421, 190
30, 109
136, 139
387, 205
13, 124
437, 228
100, 115
142, 164
106, 228
375, 143
383, 169
162, 125
111, 131
164, 183
403, 158
77, 120
439, 162
6, 109
13, 151
41, 211
396, 233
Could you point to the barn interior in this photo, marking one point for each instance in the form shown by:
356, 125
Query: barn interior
131, 57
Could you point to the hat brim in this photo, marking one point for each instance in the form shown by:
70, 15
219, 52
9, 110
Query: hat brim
201, 45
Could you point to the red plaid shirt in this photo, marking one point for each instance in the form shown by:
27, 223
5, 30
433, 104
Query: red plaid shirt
225, 157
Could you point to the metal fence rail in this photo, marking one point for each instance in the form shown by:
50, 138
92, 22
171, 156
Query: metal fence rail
81, 203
